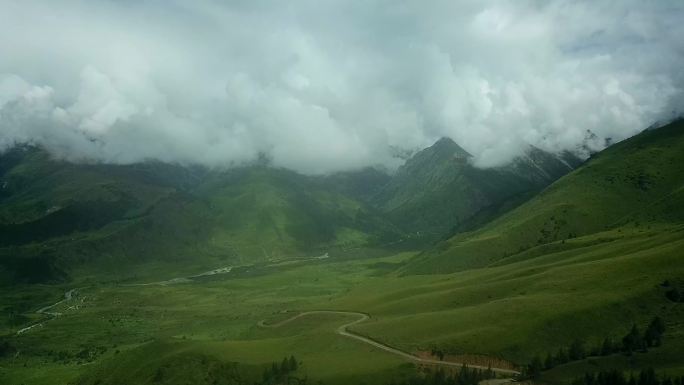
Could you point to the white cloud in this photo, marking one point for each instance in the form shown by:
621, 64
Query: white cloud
325, 86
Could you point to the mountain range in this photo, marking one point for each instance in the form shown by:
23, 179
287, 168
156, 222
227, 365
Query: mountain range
157, 273
57, 217
635, 184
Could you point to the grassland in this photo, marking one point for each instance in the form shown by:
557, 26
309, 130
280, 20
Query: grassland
600, 286
635, 183
587, 259
60, 220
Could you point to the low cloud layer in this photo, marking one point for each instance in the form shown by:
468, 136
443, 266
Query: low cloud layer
322, 86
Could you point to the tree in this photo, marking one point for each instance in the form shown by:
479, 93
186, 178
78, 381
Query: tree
285, 366
293, 364
438, 353
6, 348
648, 377
632, 341
608, 347
549, 362
632, 380
440, 378
535, 367
651, 337
561, 357
576, 351
489, 373
267, 375
673, 295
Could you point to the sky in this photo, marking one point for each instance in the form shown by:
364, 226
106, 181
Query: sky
320, 86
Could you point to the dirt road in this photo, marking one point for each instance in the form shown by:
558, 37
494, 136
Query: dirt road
188, 279
68, 296
343, 331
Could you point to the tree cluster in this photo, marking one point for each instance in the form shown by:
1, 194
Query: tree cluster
279, 372
615, 377
633, 341
636, 341
674, 293
437, 353
465, 376
6, 348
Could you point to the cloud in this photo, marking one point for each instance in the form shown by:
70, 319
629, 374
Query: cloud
335, 85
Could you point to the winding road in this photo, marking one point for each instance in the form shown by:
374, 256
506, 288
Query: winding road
68, 296
344, 331
188, 279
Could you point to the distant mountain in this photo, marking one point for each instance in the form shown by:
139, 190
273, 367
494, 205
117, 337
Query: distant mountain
361, 184
634, 185
439, 191
57, 216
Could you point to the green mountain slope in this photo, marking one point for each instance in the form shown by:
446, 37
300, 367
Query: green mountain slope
56, 217
438, 190
634, 184
271, 212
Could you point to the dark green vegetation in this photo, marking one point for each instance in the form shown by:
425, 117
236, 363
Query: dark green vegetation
200, 369
615, 377
439, 191
635, 185
587, 275
464, 376
675, 291
56, 217
633, 341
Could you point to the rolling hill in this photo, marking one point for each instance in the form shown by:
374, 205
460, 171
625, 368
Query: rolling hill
57, 216
438, 191
496, 294
636, 184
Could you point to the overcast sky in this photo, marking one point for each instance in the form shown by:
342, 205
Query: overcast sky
323, 85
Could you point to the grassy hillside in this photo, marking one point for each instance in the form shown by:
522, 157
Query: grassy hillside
591, 256
439, 191
60, 220
535, 305
635, 184
58, 217
275, 213
510, 312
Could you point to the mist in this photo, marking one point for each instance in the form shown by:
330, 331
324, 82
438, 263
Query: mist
324, 86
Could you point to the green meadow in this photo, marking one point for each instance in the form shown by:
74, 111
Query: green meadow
595, 287
592, 256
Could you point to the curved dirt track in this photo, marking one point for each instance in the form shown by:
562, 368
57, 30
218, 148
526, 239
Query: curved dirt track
342, 330
68, 296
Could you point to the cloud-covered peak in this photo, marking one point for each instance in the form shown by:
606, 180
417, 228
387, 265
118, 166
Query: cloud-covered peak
326, 86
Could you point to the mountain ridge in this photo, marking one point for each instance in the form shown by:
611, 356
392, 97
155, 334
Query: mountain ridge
443, 175
60, 215
634, 182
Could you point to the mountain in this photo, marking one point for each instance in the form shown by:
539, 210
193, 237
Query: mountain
634, 186
56, 217
361, 184
439, 191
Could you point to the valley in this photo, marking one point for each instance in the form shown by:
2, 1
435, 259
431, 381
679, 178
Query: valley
247, 266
